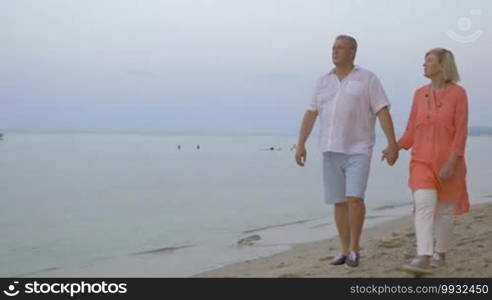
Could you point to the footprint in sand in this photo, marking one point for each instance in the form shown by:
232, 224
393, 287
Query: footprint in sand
415, 273
394, 243
478, 240
462, 243
326, 258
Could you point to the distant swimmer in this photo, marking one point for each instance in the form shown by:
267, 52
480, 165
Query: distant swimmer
197, 147
179, 147
272, 149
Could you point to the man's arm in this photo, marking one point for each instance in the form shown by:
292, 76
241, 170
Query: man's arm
391, 152
306, 128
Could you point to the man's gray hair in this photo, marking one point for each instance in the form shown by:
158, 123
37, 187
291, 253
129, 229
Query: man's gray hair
349, 39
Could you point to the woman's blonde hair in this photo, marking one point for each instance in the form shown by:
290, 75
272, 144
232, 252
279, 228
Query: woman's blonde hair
449, 68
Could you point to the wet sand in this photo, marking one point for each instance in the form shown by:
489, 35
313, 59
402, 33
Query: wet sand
384, 249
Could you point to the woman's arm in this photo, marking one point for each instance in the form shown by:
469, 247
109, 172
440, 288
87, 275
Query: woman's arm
406, 141
461, 124
460, 136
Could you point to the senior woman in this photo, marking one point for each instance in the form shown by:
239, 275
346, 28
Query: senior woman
437, 132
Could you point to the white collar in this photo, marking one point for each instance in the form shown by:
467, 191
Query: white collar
332, 71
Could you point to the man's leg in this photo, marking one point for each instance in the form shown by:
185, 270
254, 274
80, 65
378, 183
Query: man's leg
334, 183
357, 170
356, 216
342, 220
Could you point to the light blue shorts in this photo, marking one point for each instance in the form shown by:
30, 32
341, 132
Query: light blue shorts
345, 175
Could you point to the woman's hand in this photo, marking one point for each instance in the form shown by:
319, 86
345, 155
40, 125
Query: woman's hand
391, 154
447, 171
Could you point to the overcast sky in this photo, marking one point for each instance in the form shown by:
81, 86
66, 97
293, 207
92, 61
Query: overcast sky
219, 65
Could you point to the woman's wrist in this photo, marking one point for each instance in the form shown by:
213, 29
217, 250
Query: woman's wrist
452, 160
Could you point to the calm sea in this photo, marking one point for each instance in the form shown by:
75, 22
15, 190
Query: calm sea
136, 205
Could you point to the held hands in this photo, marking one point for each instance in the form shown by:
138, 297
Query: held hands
301, 155
390, 154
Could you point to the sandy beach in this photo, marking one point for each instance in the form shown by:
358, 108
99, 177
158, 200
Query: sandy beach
384, 249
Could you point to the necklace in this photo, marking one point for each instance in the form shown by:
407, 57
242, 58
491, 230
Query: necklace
430, 92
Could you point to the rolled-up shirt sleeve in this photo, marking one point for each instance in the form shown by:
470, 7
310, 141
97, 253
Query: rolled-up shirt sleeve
377, 95
406, 141
461, 124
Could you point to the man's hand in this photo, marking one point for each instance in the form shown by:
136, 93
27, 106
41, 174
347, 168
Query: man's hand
390, 154
301, 155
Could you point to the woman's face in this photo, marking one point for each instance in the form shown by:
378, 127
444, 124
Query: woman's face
432, 67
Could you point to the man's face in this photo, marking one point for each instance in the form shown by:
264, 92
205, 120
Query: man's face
342, 52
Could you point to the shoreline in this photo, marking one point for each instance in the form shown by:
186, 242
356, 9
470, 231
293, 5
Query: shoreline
385, 247
188, 259
304, 249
